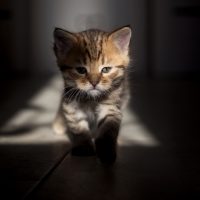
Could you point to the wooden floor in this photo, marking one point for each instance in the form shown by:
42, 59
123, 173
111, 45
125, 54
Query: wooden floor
158, 151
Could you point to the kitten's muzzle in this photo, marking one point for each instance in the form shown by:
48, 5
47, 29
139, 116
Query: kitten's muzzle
94, 79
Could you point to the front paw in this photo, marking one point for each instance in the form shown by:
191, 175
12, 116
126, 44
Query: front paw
106, 148
106, 142
59, 128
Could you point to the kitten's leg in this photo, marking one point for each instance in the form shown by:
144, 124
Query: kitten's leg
59, 124
109, 119
78, 130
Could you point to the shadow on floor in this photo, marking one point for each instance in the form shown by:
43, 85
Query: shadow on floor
139, 173
16, 92
23, 166
170, 170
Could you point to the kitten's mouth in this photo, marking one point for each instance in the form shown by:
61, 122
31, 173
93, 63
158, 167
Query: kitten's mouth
94, 92
71, 94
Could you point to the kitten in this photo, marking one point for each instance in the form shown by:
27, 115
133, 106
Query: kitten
94, 68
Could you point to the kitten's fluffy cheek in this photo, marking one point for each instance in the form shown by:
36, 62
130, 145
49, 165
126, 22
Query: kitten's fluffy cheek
68, 80
103, 87
83, 86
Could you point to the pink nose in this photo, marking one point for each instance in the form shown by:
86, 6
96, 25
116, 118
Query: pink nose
94, 84
94, 80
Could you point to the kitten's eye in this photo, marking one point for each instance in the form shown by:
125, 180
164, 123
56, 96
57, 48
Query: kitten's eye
81, 70
106, 69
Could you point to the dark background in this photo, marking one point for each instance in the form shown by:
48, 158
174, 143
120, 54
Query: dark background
164, 84
165, 33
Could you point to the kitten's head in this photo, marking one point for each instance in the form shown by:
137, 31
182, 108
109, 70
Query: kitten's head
92, 62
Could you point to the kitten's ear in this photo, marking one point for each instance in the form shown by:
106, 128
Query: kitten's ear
63, 41
121, 38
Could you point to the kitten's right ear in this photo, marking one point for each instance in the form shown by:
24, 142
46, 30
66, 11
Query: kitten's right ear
63, 41
121, 38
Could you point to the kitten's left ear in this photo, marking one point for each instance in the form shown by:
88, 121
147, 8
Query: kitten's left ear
63, 41
121, 38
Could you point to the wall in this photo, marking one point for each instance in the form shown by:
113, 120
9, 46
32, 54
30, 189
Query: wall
13, 36
176, 37
76, 15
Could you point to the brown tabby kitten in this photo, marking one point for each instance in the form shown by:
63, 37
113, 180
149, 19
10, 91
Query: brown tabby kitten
94, 68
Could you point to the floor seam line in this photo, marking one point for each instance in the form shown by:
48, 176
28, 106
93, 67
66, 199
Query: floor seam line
45, 176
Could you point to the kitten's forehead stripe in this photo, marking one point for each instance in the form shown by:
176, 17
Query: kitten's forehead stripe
92, 42
103, 59
88, 54
100, 49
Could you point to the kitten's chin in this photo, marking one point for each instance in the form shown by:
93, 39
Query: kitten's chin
94, 92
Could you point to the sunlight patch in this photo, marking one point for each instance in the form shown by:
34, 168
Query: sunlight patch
32, 124
134, 132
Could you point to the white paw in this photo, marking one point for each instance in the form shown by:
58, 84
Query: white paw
59, 129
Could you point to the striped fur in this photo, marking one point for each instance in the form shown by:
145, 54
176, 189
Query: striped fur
94, 68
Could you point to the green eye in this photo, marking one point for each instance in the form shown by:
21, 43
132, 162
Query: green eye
106, 69
81, 70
